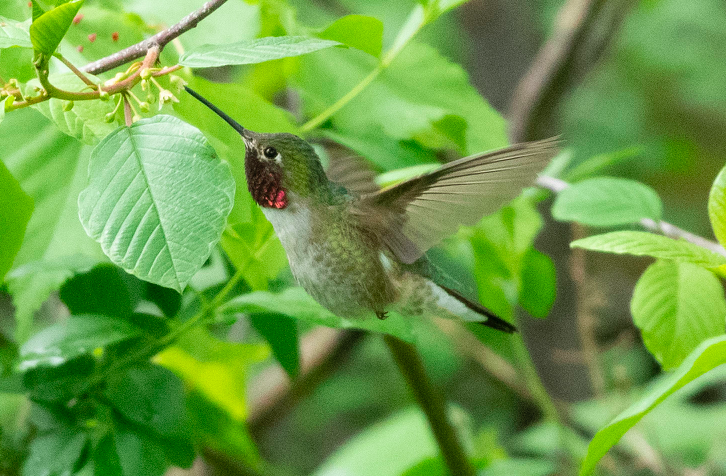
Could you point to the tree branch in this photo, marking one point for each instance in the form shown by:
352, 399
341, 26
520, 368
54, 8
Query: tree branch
661, 227
433, 405
572, 50
160, 39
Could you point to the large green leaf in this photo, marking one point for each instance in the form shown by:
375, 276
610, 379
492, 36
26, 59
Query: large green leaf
47, 31
640, 243
32, 283
357, 31
606, 201
78, 335
717, 206
421, 96
385, 449
15, 210
708, 355
295, 303
158, 199
35, 151
14, 33
255, 51
677, 306
85, 121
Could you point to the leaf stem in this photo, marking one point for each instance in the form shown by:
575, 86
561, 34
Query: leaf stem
76, 71
417, 20
432, 403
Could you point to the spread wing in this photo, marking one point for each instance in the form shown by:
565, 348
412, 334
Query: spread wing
353, 173
411, 217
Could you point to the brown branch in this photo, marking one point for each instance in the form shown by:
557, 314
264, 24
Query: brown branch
573, 49
160, 39
661, 227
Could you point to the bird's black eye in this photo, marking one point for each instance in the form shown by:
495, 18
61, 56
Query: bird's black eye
270, 152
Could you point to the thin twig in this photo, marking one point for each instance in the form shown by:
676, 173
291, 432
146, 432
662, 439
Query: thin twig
584, 316
661, 227
161, 39
76, 71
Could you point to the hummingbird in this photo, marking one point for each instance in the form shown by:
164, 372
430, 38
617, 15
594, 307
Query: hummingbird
359, 251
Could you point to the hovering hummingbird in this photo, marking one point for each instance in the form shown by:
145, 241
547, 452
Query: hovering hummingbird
361, 251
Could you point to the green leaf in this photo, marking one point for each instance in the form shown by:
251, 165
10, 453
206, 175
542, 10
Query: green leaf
357, 31
501, 243
76, 336
281, 333
215, 369
640, 243
380, 449
385, 152
138, 452
255, 249
520, 467
35, 150
539, 283
408, 101
297, 304
32, 283
254, 51
105, 458
16, 207
105, 289
707, 356
595, 164
677, 306
158, 199
606, 201
85, 121
55, 453
47, 31
717, 206
14, 33
151, 396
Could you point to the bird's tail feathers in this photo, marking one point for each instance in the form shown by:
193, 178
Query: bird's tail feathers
491, 319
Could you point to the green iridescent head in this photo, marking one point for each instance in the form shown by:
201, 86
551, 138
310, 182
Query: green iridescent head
278, 167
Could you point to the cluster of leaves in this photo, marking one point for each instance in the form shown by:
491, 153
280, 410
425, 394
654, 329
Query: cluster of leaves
678, 303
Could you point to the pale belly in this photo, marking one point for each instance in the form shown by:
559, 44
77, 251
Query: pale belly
333, 265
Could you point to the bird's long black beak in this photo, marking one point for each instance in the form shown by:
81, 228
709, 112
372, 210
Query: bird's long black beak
235, 125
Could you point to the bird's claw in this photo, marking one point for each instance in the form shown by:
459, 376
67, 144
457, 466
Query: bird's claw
381, 315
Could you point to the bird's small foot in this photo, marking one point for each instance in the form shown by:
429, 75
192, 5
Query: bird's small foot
381, 315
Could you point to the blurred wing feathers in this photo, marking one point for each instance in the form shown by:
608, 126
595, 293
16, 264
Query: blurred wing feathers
353, 173
411, 217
